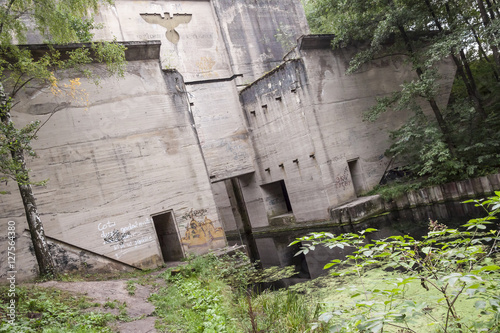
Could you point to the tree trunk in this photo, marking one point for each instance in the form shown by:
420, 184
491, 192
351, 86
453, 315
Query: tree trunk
462, 64
486, 22
496, 7
490, 9
472, 88
482, 53
435, 108
43, 256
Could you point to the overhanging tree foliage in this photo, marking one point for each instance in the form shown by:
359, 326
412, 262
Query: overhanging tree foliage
58, 22
462, 139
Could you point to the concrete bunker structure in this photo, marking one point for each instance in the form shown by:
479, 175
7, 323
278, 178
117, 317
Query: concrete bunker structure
243, 135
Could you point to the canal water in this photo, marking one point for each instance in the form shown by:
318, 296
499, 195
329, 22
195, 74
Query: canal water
274, 250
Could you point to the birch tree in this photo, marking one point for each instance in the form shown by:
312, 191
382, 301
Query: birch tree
58, 22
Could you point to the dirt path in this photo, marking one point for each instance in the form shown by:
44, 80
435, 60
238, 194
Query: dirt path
138, 309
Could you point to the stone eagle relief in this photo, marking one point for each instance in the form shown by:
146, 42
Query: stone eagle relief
170, 23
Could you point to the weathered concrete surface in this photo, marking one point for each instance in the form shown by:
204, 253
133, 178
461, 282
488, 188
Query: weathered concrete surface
221, 131
276, 116
200, 52
259, 33
112, 164
357, 209
305, 120
201, 55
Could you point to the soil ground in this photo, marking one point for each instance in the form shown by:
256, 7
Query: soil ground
138, 308
140, 313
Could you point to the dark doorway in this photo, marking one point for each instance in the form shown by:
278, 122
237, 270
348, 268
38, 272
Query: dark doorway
285, 196
168, 237
356, 176
276, 198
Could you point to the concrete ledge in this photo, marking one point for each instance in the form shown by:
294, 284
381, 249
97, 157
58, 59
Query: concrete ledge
358, 209
282, 220
136, 50
365, 207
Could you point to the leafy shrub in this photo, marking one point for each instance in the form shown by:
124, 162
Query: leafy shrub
456, 271
214, 294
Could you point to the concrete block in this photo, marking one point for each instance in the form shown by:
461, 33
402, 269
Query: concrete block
424, 196
465, 189
366, 208
494, 181
402, 202
450, 191
282, 220
477, 186
412, 198
335, 215
435, 194
486, 185
390, 205
344, 216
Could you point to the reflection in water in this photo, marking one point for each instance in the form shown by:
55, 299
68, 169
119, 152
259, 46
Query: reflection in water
273, 250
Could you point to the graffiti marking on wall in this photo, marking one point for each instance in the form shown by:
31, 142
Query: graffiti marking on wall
344, 180
201, 233
103, 226
131, 245
206, 35
336, 158
194, 213
126, 238
148, 36
116, 236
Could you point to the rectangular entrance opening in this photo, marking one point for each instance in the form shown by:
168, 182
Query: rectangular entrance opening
356, 176
276, 198
168, 237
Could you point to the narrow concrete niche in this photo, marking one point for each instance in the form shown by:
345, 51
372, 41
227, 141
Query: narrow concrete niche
168, 236
276, 199
356, 176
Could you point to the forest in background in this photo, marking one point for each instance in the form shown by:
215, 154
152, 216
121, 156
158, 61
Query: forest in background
462, 139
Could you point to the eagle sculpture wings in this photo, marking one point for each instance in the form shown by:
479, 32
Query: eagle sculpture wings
170, 23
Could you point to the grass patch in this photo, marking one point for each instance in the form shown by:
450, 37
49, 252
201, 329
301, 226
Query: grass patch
395, 189
213, 294
52, 310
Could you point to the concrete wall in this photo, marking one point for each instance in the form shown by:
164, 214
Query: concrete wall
223, 37
258, 33
275, 108
339, 103
200, 55
219, 123
216, 40
111, 164
307, 128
